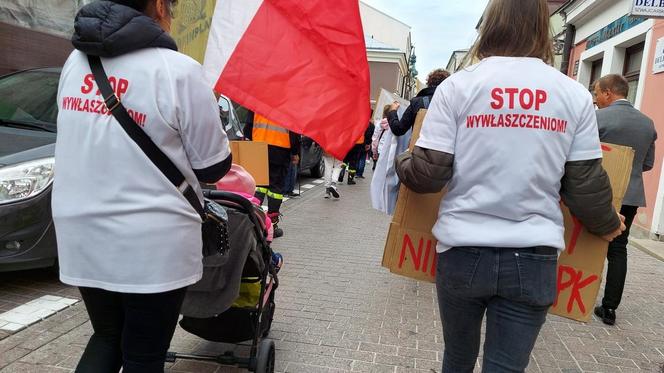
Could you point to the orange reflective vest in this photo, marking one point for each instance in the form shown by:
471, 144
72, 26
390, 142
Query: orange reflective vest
267, 131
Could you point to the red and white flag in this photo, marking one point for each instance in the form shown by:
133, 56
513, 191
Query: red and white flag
300, 63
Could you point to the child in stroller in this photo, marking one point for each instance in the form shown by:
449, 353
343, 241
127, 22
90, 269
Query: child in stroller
240, 182
234, 301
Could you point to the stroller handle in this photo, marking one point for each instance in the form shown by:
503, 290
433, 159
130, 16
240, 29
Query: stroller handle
231, 197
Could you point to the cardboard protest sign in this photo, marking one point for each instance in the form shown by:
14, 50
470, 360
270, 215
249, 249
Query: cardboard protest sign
387, 98
581, 265
252, 156
410, 249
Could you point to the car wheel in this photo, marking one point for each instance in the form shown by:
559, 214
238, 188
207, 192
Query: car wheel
318, 170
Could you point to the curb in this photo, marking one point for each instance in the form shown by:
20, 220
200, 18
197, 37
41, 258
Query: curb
657, 255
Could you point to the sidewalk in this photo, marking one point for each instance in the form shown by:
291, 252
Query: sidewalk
650, 247
339, 311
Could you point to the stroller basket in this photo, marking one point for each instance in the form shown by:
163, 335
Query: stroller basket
234, 301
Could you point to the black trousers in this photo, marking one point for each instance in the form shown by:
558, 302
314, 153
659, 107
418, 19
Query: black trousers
353, 157
131, 331
274, 191
617, 257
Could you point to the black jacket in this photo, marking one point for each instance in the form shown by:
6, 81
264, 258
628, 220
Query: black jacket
368, 134
400, 127
108, 29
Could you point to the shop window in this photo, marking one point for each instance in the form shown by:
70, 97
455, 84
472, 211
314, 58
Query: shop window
632, 70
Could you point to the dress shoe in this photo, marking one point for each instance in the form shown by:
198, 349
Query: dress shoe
607, 315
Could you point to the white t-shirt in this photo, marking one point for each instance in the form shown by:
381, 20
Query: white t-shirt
512, 124
121, 225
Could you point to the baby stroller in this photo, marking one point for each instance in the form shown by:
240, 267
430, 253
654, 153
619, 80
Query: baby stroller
234, 301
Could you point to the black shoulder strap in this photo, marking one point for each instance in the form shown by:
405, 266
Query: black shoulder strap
151, 150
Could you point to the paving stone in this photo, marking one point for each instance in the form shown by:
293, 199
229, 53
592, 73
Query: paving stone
338, 310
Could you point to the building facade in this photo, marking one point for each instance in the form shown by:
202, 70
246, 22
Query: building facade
36, 33
389, 51
608, 40
457, 60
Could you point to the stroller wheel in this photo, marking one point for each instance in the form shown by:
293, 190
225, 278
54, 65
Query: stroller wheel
265, 358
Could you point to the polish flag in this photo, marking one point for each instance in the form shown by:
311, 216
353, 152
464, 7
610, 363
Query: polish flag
300, 63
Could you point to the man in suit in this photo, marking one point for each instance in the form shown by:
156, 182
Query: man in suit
620, 123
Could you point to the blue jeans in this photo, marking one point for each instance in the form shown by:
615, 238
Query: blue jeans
362, 162
289, 183
513, 287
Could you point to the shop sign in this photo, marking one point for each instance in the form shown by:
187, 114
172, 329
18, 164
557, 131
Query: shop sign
648, 8
616, 27
658, 66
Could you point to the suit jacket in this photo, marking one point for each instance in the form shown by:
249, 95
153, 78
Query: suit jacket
621, 124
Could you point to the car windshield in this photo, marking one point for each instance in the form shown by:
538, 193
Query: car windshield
30, 97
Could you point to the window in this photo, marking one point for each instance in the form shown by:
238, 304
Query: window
30, 97
632, 70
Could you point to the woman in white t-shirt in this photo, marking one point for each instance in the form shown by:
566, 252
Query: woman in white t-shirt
127, 237
512, 135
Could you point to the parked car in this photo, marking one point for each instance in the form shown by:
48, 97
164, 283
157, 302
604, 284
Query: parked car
229, 119
28, 113
312, 158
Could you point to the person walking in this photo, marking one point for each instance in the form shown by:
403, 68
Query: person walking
283, 150
350, 164
500, 226
291, 178
621, 124
378, 137
332, 172
127, 237
362, 159
401, 126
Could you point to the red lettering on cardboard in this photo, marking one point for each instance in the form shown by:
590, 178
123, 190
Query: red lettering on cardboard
419, 263
576, 232
576, 282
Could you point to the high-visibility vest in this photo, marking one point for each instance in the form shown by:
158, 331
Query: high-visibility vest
267, 131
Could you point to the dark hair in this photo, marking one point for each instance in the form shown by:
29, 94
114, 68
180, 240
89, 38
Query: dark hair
515, 28
615, 83
140, 5
436, 77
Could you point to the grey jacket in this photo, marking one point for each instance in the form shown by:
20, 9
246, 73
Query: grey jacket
622, 124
